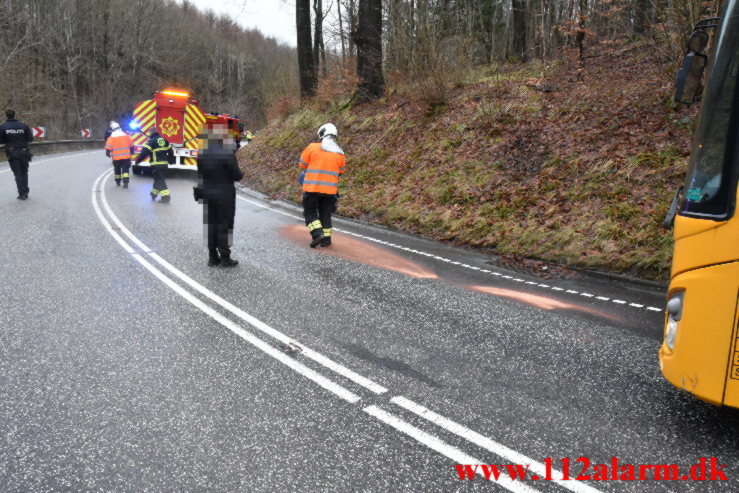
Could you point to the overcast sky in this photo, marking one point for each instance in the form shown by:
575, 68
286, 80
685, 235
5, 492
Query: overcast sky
274, 18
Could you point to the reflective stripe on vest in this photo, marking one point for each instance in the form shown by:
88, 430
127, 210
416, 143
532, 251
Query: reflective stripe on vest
153, 161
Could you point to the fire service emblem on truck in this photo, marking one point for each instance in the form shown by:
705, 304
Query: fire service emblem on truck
169, 126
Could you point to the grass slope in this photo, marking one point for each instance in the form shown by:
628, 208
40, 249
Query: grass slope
549, 162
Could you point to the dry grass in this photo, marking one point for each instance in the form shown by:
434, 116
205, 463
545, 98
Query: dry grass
580, 175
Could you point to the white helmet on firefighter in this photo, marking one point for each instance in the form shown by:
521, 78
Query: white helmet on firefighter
114, 125
326, 130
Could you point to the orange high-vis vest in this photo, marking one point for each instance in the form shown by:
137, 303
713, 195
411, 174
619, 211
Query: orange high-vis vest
322, 169
119, 146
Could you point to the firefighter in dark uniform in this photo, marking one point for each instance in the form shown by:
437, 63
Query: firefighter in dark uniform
217, 172
16, 136
160, 154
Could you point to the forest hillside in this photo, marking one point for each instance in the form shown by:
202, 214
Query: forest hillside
558, 161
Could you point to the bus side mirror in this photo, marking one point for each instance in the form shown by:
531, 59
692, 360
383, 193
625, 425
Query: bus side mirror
672, 211
689, 77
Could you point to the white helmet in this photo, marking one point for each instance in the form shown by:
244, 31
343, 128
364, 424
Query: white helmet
114, 125
327, 129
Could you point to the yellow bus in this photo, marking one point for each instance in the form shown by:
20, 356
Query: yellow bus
700, 350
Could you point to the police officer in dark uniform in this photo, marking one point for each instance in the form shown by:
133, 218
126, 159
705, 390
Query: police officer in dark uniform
16, 136
160, 154
217, 172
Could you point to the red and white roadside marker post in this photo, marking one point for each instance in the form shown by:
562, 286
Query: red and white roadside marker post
38, 132
86, 133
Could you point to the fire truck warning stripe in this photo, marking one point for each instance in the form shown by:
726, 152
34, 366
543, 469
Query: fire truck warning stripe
145, 115
144, 108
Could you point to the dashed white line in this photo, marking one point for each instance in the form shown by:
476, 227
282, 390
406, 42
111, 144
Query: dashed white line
453, 262
397, 423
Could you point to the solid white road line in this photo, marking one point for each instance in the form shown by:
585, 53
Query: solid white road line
425, 438
436, 257
280, 356
441, 447
251, 320
488, 444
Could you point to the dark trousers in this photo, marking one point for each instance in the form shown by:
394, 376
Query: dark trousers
318, 206
158, 171
218, 215
20, 170
120, 169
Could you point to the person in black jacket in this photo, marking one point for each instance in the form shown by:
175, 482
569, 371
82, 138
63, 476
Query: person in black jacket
217, 172
16, 136
160, 154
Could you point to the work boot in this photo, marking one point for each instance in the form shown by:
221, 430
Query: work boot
326, 241
153, 196
125, 184
213, 257
317, 235
226, 260
165, 199
118, 183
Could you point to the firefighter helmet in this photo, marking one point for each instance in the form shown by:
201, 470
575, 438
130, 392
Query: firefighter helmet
326, 130
114, 125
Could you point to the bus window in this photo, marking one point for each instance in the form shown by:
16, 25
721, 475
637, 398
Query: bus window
710, 183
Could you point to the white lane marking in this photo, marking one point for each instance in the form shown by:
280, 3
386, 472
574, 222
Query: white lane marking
435, 257
251, 320
440, 446
654, 309
427, 439
620, 302
488, 444
303, 370
105, 222
36, 163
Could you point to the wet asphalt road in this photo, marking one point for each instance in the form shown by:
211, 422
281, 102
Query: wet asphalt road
129, 365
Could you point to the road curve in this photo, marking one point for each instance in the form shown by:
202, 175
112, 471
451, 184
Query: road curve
127, 364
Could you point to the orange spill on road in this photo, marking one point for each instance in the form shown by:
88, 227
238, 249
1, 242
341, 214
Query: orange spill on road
543, 302
356, 250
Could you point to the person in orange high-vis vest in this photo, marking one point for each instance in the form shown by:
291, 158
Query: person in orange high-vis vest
119, 147
323, 163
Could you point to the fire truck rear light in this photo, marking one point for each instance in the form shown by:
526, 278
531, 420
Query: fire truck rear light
173, 93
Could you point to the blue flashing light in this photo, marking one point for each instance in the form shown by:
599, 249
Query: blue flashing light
133, 125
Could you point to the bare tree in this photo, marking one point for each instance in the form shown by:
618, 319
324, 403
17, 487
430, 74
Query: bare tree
368, 38
306, 62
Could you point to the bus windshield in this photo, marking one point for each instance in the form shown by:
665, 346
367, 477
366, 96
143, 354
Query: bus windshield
710, 187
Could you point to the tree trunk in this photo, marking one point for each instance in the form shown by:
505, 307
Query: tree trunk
640, 16
306, 67
341, 31
368, 38
519, 29
318, 34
